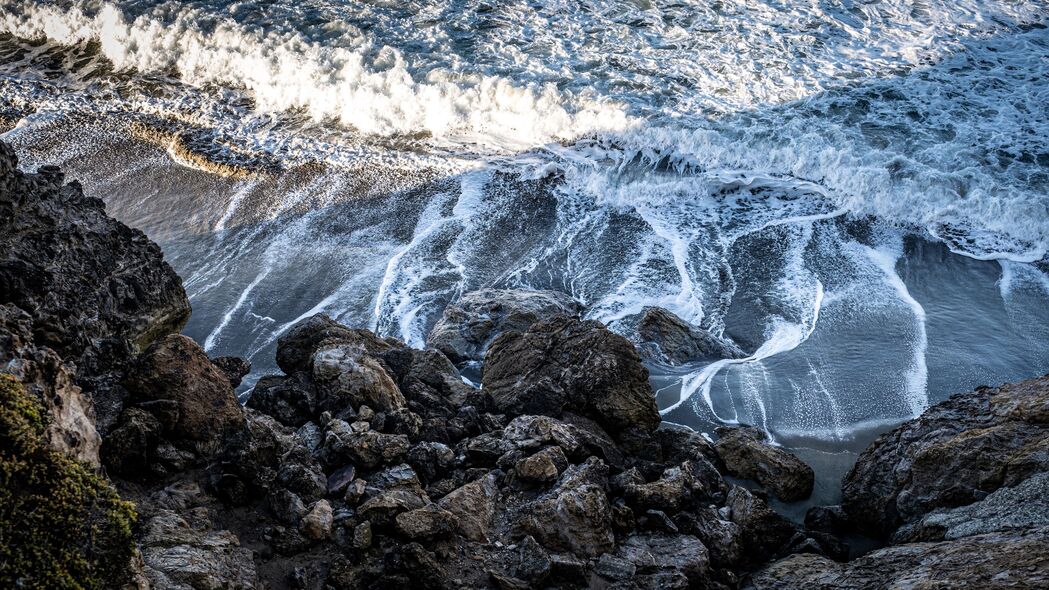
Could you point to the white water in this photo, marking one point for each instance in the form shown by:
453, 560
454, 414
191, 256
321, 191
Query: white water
765, 171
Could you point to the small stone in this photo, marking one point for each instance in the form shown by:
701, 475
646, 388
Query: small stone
340, 479
362, 535
316, 525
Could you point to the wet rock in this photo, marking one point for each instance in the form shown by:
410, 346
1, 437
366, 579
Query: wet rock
667, 338
317, 523
542, 467
723, 538
956, 453
427, 522
347, 376
291, 400
570, 365
1015, 559
468, 326
234, 367
576, 515
747, 452
69, 414
357, 443
827, 519
179, 556
295, 349
765, 533
474, 505
662, 553
176, 372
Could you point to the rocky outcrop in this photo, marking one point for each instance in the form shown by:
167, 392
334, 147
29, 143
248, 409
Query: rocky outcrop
748, 453
606, 380
469, 325
663, 337
956, 453
1018, 559
97, 291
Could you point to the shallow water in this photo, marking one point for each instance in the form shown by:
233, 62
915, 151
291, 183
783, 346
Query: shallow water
857, 194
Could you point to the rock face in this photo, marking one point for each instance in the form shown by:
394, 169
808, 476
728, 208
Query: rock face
995, 561
607, 382
955, 454
95, 289
666, 338
748, 453
469, 325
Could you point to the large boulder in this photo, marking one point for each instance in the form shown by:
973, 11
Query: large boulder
469, 325
575, 516
1007, 560
748, 453
570, 365
178, 556
664, 337
97, 290
175, 380
473, 506
295, 348
956, 453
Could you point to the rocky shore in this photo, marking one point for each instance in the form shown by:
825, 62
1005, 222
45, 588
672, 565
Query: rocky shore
127, 461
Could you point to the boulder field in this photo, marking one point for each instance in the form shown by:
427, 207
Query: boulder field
370, 464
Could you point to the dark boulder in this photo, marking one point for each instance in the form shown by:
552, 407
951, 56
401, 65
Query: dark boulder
291, 400
566, 364
666, 338
747, 453
956, 453
234, 367
575, 516
296, 347
468, 326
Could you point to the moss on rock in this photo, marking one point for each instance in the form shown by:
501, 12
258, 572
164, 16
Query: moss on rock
61, 524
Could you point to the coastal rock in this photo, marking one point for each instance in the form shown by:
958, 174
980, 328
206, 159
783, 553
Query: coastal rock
666, 338
427, 522
176, 381
346, 376
179, 556
474, 505
747, 453
70, 416
660, 553
567, 364
357, 443
316, 525
956, 453
469, 325
234, 367
575, 516
1006, 560
295, 349
291, 400
542, 467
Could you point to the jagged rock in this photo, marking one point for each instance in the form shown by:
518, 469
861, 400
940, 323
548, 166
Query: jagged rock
431, 460
70, 416
427, 522
317, 523
746, 452
570, 365
956, 453
234, 367
357, 443
723, 538
827, 519
611, 567
296, 347
474, 505
176, 374
666, 338
1024, 506
765, 533
178, 556
1006, 560
346, 375
542, 467
661, 553
576, 515
529, 433
678, 444
533, 562
677, 488
340, 479
291, 400
468, 326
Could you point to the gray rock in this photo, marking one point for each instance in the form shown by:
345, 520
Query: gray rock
347, 376
614, 568
357, 443
542, 467
654, 553
291, 400
666, 338
469, 325
474, 505
747, 453
295, 349
575, 516
178, 556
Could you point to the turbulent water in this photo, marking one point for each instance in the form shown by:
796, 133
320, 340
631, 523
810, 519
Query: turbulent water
857, 193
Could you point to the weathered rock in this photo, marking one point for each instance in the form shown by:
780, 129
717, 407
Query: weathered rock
357, 443
1016, 559
723, 538
663, 553
178, 556
70, 416
468, 326
316, 525
956, 453
746, 452
234, 367
610, 567
576, 515
427, 522
291, 400
296, 347
827, 519
542, 467
340, 479
665, 337
474, 505
765, 533
177, 373
570, 365
347, 376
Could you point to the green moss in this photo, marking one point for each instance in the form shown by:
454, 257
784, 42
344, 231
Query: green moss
61, 525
